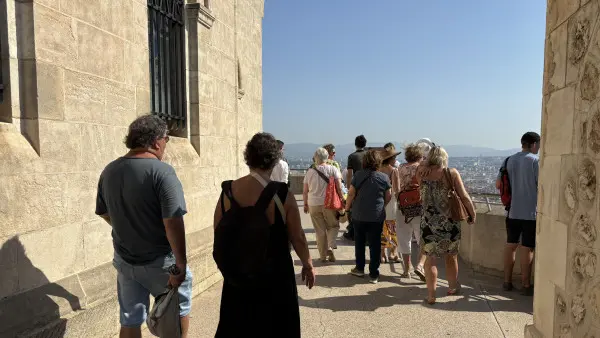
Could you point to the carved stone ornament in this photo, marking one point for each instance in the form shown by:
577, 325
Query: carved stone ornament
561, 304
586, 228
578, 308
587, 180
584, 265
570, 196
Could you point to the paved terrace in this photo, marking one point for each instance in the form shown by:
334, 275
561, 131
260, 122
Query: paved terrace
341, 305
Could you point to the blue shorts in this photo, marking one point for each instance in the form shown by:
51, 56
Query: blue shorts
135, 284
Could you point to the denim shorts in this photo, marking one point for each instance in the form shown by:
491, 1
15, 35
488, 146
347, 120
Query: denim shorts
135, 284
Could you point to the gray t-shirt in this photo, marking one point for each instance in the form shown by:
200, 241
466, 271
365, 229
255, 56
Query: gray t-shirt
137, 193
369, 204
355, 160
523, 169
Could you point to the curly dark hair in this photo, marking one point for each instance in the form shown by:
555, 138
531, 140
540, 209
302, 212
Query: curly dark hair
372, 160
413, 153
144, 131
262, 151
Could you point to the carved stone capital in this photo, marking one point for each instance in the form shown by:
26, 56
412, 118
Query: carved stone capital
197, 11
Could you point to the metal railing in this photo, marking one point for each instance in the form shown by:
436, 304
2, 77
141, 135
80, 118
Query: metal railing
488, 200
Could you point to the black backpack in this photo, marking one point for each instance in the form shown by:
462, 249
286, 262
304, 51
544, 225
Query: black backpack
242, 237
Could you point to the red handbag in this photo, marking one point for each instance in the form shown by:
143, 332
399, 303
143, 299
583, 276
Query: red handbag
332, 199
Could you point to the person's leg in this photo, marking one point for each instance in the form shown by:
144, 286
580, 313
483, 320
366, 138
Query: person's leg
431, 274
320, 226
349, 234
155, 277
513, 233
359, 245
374, 236
384, 240
404, 233
416, 230
451, 261
333, 228
527, 250
134, 300
185, 302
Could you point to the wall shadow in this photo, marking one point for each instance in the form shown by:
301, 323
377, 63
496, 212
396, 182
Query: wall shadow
33, 310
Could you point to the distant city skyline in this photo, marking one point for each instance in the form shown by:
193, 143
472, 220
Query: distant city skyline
460, 72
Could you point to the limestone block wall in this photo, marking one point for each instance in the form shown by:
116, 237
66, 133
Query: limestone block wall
76, 73
567, 284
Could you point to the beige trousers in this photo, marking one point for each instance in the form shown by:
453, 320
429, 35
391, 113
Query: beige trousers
326, 228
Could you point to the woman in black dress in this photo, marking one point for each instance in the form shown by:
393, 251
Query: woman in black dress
271, 310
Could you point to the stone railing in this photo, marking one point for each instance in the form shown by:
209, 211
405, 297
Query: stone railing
482, 244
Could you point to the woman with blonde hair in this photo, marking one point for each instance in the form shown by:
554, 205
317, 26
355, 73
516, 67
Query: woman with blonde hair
440, 234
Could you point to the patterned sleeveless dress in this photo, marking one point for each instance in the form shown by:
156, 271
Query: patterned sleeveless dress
439, 234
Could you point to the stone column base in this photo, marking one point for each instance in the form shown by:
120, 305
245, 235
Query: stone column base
532, 332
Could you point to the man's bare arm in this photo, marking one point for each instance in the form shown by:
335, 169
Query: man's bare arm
349, 177
176, 235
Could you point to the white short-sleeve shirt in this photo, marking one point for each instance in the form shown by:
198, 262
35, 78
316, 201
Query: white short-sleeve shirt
317, 185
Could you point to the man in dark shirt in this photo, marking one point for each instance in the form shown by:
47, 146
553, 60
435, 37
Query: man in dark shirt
142, 199
354, 165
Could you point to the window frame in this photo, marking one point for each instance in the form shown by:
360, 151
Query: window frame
167, 62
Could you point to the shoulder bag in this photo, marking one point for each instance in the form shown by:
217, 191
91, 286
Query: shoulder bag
458, 212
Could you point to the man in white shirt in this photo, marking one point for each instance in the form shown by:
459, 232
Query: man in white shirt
281, 171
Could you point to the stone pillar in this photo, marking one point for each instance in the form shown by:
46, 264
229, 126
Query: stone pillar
567, 283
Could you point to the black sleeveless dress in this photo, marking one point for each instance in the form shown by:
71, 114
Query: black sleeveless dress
272, 310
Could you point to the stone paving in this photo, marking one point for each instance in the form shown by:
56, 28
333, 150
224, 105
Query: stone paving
341, 305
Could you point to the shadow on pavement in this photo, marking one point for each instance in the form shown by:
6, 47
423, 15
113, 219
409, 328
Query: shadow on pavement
401, 295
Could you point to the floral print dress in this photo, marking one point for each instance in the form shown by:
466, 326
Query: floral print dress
439, 234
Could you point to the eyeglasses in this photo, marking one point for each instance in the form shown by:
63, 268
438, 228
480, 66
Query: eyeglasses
167, 138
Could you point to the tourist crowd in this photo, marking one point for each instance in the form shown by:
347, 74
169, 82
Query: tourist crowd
257, 224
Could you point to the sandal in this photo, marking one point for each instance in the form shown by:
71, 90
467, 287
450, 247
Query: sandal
405, 275
455, 291
384, 259
395, 259
430, 300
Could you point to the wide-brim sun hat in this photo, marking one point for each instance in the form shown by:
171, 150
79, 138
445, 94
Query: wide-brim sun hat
387, 154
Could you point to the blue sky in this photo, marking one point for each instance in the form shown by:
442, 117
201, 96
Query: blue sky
458, 72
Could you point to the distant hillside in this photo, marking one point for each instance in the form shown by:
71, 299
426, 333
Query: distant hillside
306, 150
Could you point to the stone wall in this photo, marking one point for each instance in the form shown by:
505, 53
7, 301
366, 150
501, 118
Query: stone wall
567, 288
482, 244
76, 74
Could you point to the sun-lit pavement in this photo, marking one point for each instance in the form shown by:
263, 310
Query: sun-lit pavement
342, 305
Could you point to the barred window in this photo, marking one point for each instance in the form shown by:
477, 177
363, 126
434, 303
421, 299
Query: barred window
166, 29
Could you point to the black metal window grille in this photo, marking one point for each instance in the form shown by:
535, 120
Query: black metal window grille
166, 39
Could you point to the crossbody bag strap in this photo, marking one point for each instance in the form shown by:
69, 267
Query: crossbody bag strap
449, 178
362, 182
323, 176
275, 198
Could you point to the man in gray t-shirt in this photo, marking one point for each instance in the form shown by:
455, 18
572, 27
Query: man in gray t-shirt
523, 170
142, 199
355, 164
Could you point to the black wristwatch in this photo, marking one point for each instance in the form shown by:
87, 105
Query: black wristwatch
174, 270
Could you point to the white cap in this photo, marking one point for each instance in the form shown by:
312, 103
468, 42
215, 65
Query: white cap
426, 141
425, 144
